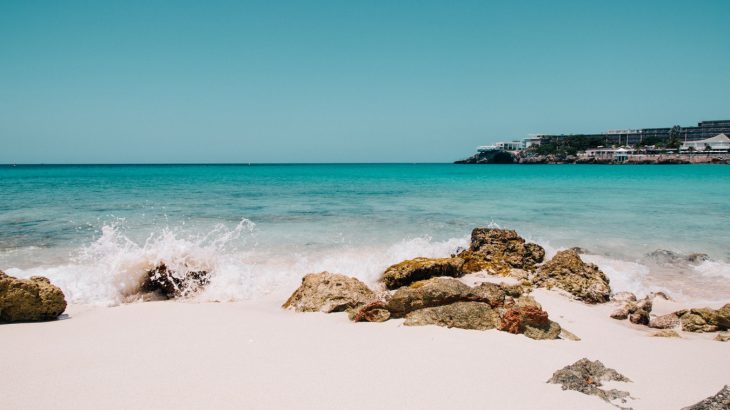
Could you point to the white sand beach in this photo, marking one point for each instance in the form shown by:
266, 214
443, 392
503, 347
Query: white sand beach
256, 355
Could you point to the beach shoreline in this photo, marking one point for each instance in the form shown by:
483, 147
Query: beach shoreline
177, 354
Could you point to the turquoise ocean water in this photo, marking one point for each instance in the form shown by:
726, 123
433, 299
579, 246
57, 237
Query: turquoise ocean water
259, 228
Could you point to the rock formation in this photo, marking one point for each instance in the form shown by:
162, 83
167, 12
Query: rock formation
500, 250
586, 376
567, 271
705, 319
463, 315
329, 292
26, 300
427, 293
413, 270
172, 284
638, 312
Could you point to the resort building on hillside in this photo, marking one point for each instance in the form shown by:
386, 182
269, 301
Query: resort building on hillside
511, 145
718, 143
608, 154
703, 130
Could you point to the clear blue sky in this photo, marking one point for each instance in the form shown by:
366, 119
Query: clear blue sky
345, 81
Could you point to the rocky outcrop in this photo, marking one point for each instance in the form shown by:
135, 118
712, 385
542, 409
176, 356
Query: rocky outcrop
29, 300
173, 284
720, 401
463, 315
329, 292
427, 293
586, 376
413, 270
567, 271
489, 157
501, 250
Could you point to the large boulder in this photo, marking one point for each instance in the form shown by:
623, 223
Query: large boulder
329, 292
414, 270
499, 251
529, 320
567, 271
586, 376
171, 284
463, 315
720, 401
29, 300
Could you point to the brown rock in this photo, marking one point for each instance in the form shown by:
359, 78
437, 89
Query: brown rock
414, 270
699, 320
463, 315
427, 293
329, 292
665, 333
621, 313
640, 312
723, 317
29, 300
375, 311
667, 321
505, 249
531, 321
568, 272
488, 293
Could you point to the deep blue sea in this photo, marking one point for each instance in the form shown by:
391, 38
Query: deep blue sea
258, 228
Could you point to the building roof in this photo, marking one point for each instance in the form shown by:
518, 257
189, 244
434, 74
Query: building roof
716, 138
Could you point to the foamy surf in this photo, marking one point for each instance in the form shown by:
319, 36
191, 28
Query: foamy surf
110, 269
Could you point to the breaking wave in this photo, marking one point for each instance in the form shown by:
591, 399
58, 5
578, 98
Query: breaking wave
111, 268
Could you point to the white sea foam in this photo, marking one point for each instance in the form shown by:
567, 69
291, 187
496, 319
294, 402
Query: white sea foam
109, 270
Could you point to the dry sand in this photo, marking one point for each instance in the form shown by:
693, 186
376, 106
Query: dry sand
254, 355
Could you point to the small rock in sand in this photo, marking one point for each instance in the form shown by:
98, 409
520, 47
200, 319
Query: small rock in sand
586, 376
666, 333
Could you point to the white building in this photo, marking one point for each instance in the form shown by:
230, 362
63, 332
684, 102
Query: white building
610, 154
719, 142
